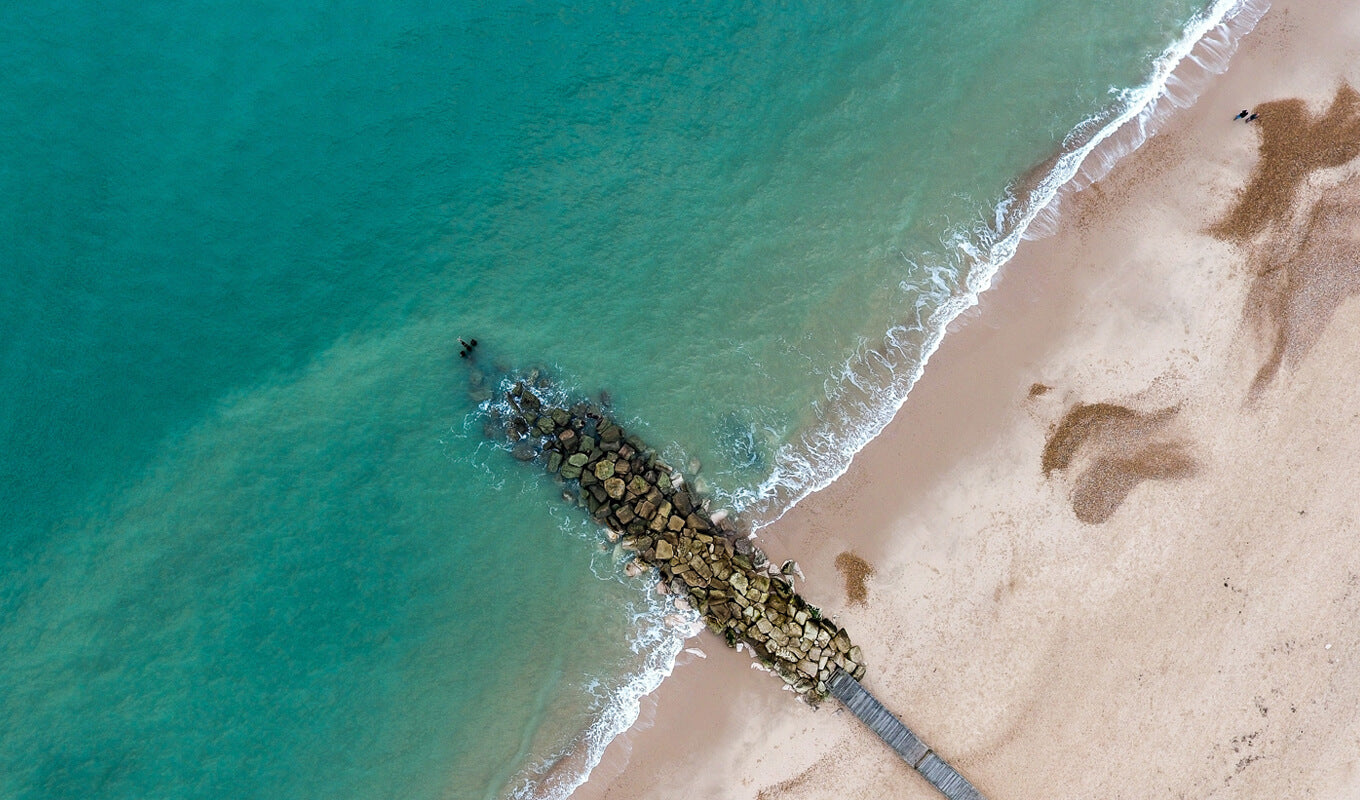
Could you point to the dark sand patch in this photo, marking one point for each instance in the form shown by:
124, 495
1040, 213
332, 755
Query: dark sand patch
1105, 484
1308, 262
1101, 421
1039, 389
1292, 299
855, 571
1120, 448
1294, 144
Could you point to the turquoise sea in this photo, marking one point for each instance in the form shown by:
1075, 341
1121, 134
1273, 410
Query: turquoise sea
252, 542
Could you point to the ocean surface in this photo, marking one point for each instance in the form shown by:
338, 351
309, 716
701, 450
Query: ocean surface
252, 542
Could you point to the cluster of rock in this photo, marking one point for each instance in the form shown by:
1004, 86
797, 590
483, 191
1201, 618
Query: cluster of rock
648, 508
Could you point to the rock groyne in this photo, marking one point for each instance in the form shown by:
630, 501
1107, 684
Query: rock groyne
650, 509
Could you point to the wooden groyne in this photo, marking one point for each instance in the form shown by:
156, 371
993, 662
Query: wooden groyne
900, 738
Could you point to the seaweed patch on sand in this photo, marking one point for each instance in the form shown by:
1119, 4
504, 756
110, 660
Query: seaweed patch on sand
1116, 448
1294, 145
1303, 250
856, 572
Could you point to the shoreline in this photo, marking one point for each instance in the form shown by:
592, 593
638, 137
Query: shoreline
1180, 73
971, 543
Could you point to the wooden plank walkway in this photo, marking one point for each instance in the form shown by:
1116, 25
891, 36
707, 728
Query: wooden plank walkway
900, 738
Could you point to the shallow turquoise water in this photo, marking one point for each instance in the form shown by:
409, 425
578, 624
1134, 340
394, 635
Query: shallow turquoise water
252, 544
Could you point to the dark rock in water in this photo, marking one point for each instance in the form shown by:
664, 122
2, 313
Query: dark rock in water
652, 510
606, 399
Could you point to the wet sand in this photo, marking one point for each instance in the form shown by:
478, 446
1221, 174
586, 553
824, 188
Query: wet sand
1109, 547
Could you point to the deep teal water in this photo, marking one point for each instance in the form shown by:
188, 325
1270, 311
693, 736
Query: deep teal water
251, 542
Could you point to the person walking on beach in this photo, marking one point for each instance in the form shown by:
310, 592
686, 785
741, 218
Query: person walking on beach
1253, 117
1240, 115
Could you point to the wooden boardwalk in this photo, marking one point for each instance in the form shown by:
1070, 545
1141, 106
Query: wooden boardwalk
891, 730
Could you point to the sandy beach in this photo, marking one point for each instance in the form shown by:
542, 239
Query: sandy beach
1108, 547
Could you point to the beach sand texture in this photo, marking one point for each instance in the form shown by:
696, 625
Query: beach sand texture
1108, 548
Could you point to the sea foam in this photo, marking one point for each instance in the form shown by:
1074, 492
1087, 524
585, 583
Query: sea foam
873, 384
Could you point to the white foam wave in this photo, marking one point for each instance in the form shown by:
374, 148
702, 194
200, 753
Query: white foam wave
874, 382
657, 643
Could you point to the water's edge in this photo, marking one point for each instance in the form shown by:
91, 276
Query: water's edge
873, 385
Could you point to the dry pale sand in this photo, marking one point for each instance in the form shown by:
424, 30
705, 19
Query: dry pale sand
1109, 547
